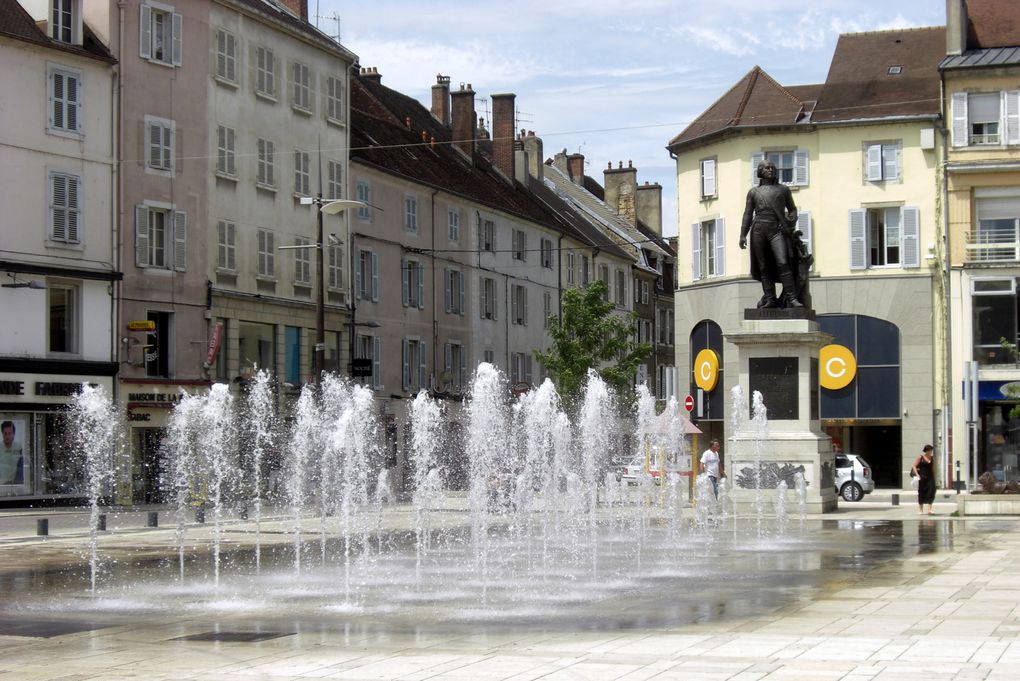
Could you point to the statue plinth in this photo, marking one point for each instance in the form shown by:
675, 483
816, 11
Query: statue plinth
765, 313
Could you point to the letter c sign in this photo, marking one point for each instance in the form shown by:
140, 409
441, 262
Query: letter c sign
706, 370
838, 366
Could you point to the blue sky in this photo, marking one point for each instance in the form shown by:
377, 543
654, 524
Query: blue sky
613, 81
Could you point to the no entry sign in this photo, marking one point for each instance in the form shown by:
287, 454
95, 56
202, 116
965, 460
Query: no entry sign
689, 403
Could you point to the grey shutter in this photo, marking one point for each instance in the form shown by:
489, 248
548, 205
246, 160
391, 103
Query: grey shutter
447, 292
253, 66
58, 207
514, 305
1011, 116
800, 168
358, 292
56, 100
141, 236
463, 366
481, 297
756, 158
375, 278
420, 274
155, 146
708, 177
891, 162
405, 281
958, 114
73, 184
180, 240
406, 356
145, 32
804, 225
696, 251
71, 95
874, 171
720, 246
423, 368
858, 239
911, 237
178, 26
524, 306
462, 280
376, 376
447, 357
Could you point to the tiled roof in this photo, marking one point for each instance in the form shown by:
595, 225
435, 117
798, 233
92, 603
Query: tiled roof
992, 23
16, 23
284, 16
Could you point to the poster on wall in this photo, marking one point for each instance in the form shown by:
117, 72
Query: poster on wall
14, 464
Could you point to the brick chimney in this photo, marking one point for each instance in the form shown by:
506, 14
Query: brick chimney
371, 73
536, 159
462, 111
621, 187
956, 27
298, 7
575, 168
649, 206
441, 99
503, 125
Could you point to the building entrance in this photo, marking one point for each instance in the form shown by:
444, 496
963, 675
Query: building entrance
879, 444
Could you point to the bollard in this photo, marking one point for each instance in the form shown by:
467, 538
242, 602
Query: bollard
101, 522
42, 527
153, 519
200, 515
895, 499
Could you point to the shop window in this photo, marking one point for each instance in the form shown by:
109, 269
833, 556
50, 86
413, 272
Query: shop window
994, 314
62, 301
14, 464
332, 355
368, 347
875, 391
256, 348
292, 355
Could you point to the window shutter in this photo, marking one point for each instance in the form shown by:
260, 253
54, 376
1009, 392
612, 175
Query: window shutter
874, 172
514, 304
423, 368
720, 246
145, 33
524, 306
405, 280
858, 240
1011, 114
419, 275
180, 240
72, 91
406, 357
527, 368
756, 158
481, 297
708, 177
462, 280
911, 237
376, 376
804, 225
696, 251
375, 277
178, 25
141, 236
958, 113
447, 290
359, 291
58, 203
56, 100
800, 167
891, 161
463, 366
447, 357
72, 209
155, 148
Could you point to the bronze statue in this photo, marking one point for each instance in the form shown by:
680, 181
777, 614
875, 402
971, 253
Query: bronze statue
777, 253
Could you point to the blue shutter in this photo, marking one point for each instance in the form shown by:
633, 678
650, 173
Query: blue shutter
696, 251
720, 247
858, 239
911, 237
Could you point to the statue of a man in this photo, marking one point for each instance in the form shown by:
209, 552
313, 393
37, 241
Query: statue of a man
770, 217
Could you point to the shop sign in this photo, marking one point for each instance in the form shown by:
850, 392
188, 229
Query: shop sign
43, 388
706, 370
141, 325
838, 366
214, 345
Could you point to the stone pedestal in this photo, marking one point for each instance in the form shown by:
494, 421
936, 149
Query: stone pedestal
778, 356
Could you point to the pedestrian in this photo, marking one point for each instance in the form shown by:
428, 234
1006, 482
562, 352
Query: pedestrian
710, 465
924, 470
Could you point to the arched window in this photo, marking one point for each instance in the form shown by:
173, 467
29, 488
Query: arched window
875, 391
707, 335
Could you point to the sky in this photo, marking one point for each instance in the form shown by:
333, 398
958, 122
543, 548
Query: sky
613, 81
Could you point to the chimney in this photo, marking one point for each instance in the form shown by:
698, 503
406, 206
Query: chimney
503, 125
371, 73
520, 162
956, 27
298, 7
649, 206
575, 168
536, 159
441, 99
621, 187
462, 111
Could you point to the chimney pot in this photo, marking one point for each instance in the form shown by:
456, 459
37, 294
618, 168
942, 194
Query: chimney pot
424, 136
619, 165
630, 164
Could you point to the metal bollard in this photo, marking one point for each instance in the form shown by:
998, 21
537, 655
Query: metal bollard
42, 527
895, 499
101, 522
153, 520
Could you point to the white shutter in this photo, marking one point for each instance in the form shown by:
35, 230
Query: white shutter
155, 146
958, 114
696, 251
858, 239
58, 207
800, 168
423, 367
720, 247
141, 236
73, 184
1011, 116
405, 283
756, 158
145, 32
804, 225
71, 95
462, 280
375, 277
178, 26
180, 240
447, 292
891, 162
406, 357
911, 237
708, 177
874, 173
376, 376
56, 100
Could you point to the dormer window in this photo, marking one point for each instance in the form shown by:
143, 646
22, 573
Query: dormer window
64, 21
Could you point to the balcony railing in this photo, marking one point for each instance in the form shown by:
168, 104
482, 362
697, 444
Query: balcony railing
994, 244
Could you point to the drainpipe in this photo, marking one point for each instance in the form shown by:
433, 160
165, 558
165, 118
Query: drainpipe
117, 207
435, 291
947, 391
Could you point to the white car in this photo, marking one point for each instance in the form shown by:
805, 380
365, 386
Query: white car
853, 477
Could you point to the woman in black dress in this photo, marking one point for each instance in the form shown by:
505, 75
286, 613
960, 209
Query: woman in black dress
924, 469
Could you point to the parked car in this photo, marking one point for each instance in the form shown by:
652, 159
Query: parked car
853, 477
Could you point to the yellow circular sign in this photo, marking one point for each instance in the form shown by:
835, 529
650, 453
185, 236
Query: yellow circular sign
838, 366
706, 370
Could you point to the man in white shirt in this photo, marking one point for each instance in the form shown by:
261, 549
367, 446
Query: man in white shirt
710, 465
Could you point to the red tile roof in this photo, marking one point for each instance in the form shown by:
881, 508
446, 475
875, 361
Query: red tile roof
993, 23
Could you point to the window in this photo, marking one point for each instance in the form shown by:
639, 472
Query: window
994, 304
882, 162
334, 179
489, 355
453, 224
665, 386
546, 251
226, 56
997, 238
791, 166
708, 178
301, 93
364, 194
62, 301
65, 100
331, 357
644, 330
570, 268
708, 255
266, 252
292, 355
585, 270
265, 72
413, 283
604, 278
519, 240
985, 118
414, 365
664, 318
454, 291
520, 367
519, 305
226, 246
546, 309
367, 275
411, 213
302, 177
454, 365
883, 237
160, 146
160, 237
256, 347
487, 236
62, 21
644, 292
621, 288
487, 288
367, 347
160, 34
65, 211
265, 175
335, 273
303, 261
226, 157
159, 351
334, 99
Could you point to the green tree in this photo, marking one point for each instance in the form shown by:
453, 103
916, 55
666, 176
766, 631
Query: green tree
592, 336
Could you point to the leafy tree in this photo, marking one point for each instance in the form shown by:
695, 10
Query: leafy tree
592, 336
